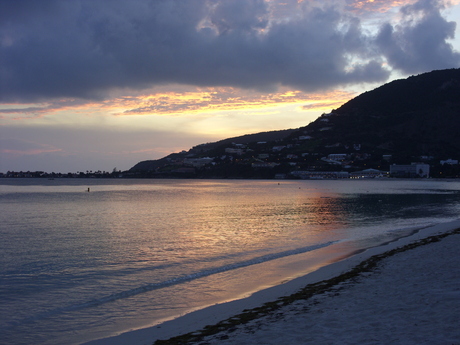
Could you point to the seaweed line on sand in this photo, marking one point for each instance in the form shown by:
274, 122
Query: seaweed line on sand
303, 294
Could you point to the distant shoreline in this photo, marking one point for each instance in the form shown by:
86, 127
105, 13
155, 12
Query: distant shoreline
227, 179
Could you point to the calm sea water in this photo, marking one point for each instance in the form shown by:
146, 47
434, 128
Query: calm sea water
78, 265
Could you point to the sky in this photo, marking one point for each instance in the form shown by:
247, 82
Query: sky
88, 85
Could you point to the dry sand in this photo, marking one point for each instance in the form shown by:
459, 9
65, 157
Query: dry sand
411, 297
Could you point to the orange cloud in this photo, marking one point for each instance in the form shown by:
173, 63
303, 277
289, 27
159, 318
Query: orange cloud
226, 99
382, 6
182, 101
376, 5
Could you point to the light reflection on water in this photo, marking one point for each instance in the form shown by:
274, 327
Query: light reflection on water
115, 257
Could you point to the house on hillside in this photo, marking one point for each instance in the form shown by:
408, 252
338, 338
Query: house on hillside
264, 165
410, 171
234, 151
278, 148
339, 157
197, 162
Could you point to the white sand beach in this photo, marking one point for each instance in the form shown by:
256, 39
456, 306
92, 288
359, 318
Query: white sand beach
411, 297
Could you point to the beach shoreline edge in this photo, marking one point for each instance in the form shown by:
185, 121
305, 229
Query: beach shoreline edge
195, 326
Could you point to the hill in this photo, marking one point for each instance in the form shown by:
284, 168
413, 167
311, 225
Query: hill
407, 120
202, 149
417, 116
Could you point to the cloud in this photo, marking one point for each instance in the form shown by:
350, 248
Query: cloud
380, 6
87, 49
171, 100
223, 99
242, 15
419, 42
20, 112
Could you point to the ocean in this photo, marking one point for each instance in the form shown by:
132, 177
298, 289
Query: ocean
78, 265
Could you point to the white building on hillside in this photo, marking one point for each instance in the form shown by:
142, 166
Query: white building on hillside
197, 162
412, 170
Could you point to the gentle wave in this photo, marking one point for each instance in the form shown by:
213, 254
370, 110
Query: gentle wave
171, 282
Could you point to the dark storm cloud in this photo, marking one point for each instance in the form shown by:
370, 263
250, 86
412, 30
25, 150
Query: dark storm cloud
86, 48
419, 42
